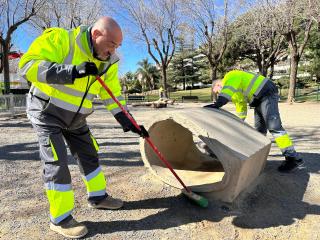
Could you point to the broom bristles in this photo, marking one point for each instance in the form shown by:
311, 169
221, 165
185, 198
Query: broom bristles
196, 198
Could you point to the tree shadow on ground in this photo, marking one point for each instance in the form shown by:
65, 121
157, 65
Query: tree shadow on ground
104, 127
20, 151
121, 163
113, 143
16, 125
276, 201
173, 212
30, 151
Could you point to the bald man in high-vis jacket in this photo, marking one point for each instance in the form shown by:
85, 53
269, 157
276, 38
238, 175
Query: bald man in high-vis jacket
62, 65
244, 88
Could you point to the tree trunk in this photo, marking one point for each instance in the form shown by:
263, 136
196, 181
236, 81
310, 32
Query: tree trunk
293, 76
6, 70
264, 71
1, 63
184, 76
259, 63
153, 83
1, 58
213, 78
149, 83
272, 63
164, 79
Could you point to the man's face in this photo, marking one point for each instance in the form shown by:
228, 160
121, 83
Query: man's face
217, 88
106, 44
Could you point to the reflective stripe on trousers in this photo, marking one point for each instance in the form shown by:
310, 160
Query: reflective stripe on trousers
56, 173
267, 117
95, 183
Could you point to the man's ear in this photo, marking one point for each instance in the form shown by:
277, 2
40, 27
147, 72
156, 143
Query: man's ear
95, 34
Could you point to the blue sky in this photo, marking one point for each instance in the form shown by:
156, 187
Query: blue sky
130, 52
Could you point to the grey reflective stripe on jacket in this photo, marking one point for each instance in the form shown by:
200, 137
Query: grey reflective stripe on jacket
59, 103
252, 81
232, 89
70, 107
23, 71
265, 80
225, 96
72, 91
69, 57
51, 72
117, 110
54, 73
111, 101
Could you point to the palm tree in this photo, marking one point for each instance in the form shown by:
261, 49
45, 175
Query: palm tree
148, 73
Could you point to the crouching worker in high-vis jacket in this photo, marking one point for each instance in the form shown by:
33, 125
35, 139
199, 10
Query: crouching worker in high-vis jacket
62, 65
241, 88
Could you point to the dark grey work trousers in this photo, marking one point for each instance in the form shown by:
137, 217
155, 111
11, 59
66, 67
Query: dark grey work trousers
267, 117
80, 144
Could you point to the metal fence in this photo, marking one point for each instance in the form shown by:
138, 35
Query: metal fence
12, 103
302, 94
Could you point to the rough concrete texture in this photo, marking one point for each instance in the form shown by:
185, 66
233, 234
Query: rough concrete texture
240, 151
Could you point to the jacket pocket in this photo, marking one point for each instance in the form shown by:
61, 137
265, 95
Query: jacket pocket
36, 104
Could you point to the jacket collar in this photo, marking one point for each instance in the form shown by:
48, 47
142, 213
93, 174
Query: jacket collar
84, 42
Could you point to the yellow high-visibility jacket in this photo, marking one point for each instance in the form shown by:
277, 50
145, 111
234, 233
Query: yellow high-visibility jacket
48, 65
241, 87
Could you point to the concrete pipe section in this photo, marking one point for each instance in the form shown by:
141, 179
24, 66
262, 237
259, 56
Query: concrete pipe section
212, 151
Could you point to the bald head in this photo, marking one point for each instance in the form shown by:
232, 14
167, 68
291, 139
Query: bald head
106, 37
107, 24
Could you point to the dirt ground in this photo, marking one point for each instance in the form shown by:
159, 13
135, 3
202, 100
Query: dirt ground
279, 206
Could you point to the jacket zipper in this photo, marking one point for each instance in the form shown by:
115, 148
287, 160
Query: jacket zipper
86, 93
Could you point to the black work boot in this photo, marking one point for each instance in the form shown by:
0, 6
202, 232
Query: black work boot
290, 164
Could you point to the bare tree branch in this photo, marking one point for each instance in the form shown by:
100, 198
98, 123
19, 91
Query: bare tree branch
257, 29
15, 14
67, 14
210, 22
157, 21
294, 17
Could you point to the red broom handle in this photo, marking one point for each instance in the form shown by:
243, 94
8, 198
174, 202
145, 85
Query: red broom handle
133, 121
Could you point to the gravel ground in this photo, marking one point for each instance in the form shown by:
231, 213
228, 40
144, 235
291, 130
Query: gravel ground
279, 206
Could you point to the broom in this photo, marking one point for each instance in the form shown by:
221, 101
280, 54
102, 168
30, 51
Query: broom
199, 200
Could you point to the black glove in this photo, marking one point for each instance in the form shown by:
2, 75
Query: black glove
127, 125
84, 69
213, 105
218, 104
142, 132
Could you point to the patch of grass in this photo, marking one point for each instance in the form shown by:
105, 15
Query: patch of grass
203, 95
307, 94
